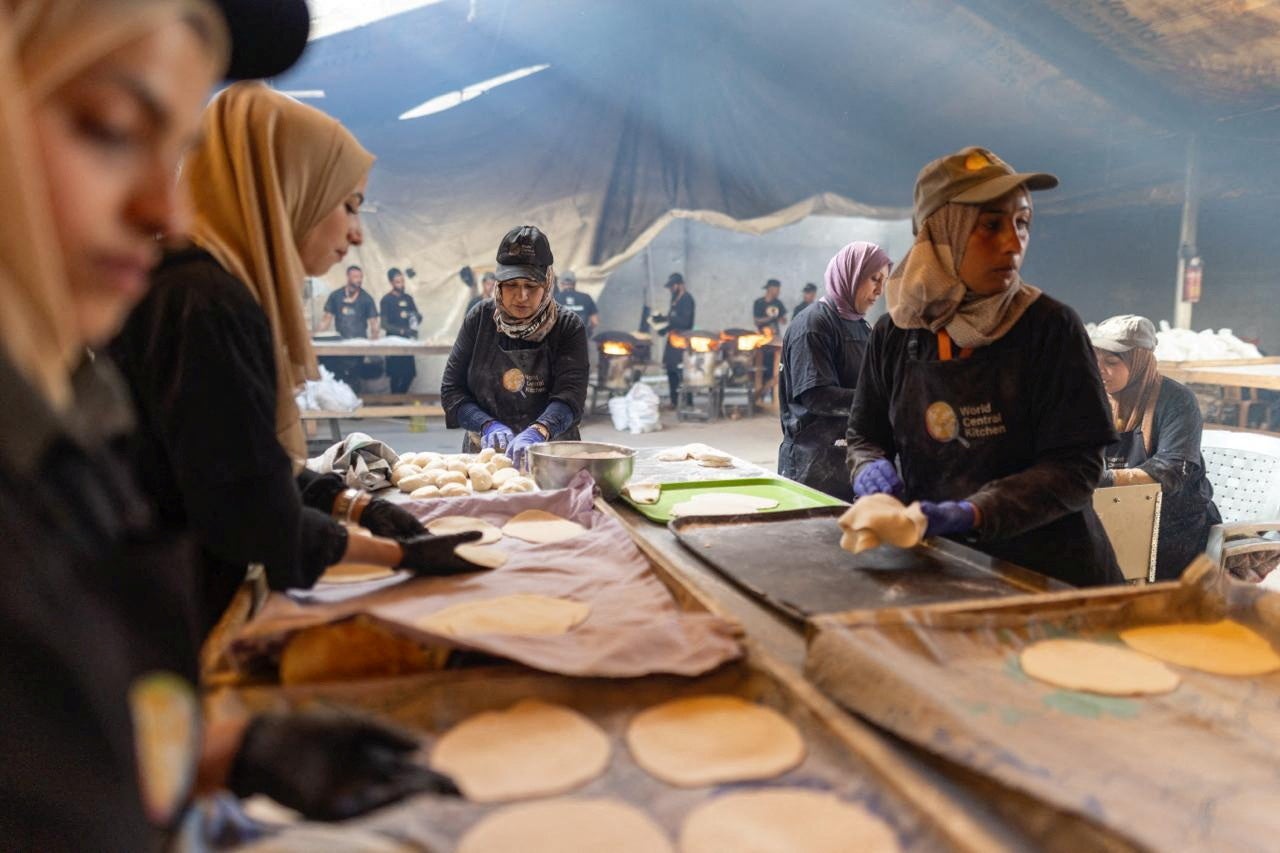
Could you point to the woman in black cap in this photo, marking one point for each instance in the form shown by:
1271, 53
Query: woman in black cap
517, 375
984, 389
1160, 425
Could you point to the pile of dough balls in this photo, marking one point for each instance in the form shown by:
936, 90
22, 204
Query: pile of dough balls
452, 475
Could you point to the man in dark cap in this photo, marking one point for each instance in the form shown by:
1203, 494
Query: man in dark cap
400, 317
487, 283
808, 296
678, 319
770, 315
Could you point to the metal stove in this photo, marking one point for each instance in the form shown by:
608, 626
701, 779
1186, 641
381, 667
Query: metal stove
742, 351
622, 357
700, 386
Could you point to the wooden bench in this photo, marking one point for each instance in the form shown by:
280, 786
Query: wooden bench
411, 410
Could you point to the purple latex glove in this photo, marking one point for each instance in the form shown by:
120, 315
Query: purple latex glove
521, 444
497, 435
949, 517
879, 477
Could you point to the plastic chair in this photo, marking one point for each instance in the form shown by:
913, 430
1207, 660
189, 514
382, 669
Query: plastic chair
1244, 469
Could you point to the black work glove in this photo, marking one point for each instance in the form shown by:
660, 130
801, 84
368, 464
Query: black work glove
433, 555
330, 766
383, 518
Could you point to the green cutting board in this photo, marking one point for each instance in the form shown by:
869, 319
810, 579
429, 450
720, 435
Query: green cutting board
788, 493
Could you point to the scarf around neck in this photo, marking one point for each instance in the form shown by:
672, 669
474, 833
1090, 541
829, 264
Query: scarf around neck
535, 327
925, 290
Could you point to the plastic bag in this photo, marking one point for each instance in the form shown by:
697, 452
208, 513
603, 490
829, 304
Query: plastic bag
618, 413
643, 410
328, 394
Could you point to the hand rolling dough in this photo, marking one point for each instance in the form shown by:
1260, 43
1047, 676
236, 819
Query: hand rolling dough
881, 518
448, 524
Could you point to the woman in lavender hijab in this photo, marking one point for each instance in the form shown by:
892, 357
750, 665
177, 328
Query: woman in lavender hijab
821, 355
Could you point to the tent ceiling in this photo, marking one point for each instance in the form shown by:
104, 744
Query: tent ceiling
751, 108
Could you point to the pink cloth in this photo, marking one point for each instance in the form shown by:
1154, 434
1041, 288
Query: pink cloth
635, 626
846, 271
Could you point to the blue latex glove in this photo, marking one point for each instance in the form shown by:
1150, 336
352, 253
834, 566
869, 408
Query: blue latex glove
496, 435
949, 517
879, 477
557, 417
521, 444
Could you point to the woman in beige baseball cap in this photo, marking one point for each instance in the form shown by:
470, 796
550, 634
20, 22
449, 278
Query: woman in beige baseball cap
1160, 425
983, 389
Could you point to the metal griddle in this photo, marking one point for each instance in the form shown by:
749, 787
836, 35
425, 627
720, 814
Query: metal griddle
792, 561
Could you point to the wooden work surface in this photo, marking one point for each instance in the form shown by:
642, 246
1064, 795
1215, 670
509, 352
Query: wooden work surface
363, 349
1243, 373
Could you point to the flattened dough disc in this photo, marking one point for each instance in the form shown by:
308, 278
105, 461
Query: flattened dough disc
523, 615
881, 518
1222, 648
531, 749
1097, 668
566, 826
704, 740
782, 820
643, 493
539, 527
721, 503
482, 555
355, 573
461, 524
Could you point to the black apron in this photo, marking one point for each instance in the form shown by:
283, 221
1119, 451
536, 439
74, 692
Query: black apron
959, 424
808, 453
398, 320
1184, 531
351, 322
513, 386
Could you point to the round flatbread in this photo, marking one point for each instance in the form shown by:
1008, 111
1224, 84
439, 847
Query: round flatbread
356, 573
482, 555
540, 527
566, 826
1222, 648
522, 615
721, 503
785, 821
752, 501
531, 749
1097, 668
706, 740
449, 524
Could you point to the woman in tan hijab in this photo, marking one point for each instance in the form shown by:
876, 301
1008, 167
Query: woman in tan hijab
982, 387
1160, 426
216, 352
99, 100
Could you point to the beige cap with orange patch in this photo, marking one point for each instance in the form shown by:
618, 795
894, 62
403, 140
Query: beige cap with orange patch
970, 176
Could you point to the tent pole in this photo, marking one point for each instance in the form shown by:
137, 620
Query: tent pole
1187, 236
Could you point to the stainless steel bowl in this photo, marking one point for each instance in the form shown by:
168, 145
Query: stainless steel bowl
555, 463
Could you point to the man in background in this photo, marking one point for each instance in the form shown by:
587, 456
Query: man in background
770, 315
353, 313
808, 296
400, 317
487, 283
678, 319
581, 304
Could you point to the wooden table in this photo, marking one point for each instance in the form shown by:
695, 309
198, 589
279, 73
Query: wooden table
367, 348
1239, 373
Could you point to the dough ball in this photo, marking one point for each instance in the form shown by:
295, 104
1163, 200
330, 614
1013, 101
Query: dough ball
501, 461
486, 454
403, 471
413, 483
503, 475
481, 479
425, 493
516, 485
424, 458
454, 490
456, 465
459, 477
435, 465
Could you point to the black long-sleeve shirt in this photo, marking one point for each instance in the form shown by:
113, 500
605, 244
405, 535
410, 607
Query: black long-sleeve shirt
1070, 417
198, 356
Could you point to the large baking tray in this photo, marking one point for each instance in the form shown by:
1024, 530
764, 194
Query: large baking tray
923, 818
1191, 770
793, 562
789, 494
